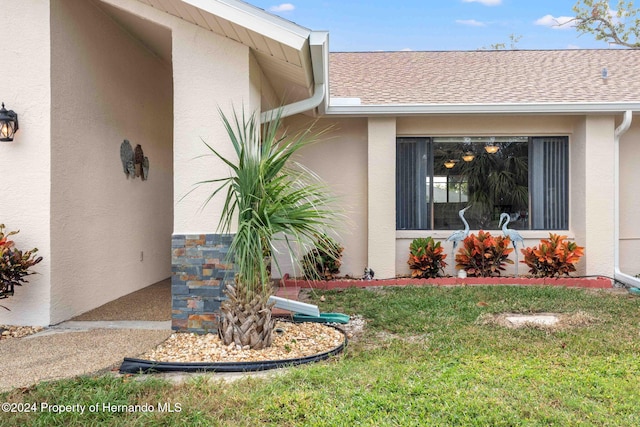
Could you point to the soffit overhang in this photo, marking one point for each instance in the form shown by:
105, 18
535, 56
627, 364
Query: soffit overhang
280, 47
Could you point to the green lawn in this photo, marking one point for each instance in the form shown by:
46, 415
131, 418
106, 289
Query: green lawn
426, 358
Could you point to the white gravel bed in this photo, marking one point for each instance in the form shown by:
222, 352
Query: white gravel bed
290, 341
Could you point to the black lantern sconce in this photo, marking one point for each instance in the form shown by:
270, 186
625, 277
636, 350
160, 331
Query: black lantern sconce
8, 124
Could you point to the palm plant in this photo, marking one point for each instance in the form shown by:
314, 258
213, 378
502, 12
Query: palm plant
499, 179
274, 198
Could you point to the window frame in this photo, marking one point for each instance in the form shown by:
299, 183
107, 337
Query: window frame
430, 142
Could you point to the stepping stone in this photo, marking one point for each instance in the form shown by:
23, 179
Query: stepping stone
538, 319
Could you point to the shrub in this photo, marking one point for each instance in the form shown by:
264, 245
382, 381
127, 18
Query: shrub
426, 258
484, 255
14, 264
554, 257
323, 261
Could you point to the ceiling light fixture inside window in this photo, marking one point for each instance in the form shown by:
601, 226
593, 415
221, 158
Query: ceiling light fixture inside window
449, 164
491, 146
491, 149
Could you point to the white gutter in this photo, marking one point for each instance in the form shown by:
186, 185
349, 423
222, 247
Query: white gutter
319, 50
619, 275
296, 107
513, 108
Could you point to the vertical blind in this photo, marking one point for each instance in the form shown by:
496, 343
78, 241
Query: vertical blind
412, 194
548, 183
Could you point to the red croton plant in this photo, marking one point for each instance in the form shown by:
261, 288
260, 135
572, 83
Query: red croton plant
484, 255
553, 257
426, 258
14, 264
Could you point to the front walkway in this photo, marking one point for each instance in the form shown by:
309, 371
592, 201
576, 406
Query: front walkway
51, 356
152, 303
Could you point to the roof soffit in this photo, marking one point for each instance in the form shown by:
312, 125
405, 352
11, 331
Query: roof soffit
280, 46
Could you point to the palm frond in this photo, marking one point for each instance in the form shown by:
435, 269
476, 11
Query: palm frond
269, 193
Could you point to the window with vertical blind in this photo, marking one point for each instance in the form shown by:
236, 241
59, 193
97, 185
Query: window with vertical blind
526, 177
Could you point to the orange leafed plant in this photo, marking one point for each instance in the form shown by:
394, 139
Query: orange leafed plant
426, 258
553, 257
484, 255
14, 264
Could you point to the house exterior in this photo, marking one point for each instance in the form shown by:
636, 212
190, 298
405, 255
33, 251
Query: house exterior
84, 76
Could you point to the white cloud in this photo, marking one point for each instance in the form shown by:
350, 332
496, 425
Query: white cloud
557, 23
407, 49
470, 22
485, 2
284, 7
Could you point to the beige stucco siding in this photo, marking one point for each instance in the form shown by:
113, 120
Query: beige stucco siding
339, 158
381, 177
210, 73
26, 162
597, 188
591, 212
630, 199
110, 235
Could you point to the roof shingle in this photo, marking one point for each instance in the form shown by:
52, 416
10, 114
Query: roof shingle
486, 77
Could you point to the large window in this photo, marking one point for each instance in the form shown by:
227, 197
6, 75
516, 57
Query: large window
526, 177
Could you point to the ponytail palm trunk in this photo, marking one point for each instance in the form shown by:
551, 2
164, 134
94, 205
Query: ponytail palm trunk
270, 195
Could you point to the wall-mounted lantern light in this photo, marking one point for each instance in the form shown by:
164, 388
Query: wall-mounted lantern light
8, 124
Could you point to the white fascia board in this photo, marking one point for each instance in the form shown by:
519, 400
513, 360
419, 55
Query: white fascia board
319, 57
540, 108
319, 49
255, 19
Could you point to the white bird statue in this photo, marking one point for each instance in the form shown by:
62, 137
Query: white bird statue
459, 235
511, 234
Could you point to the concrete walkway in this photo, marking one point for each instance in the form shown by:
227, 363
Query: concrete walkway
65, 353
75, 325
98, 341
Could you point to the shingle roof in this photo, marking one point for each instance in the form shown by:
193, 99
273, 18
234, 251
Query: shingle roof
472, 77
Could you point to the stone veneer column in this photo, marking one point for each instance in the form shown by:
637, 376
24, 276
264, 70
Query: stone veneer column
199, 274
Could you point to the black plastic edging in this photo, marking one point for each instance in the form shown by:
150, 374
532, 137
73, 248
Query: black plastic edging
137, 366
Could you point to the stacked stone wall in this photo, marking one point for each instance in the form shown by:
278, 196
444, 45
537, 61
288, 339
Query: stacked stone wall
200, 271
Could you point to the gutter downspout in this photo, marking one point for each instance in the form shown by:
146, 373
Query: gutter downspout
296, 107
619, 275
319, 52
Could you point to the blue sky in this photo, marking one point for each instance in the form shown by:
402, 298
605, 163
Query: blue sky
434, 24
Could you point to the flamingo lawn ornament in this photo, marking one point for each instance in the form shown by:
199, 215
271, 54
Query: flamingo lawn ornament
459, 235
513, 235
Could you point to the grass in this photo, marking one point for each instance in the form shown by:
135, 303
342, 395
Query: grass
424, 359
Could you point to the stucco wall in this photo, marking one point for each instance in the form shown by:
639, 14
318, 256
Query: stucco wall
339, 157
573, 126
577, 182
210, 73
106, 87
25, 185
381, 177
630, 199
599, 195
